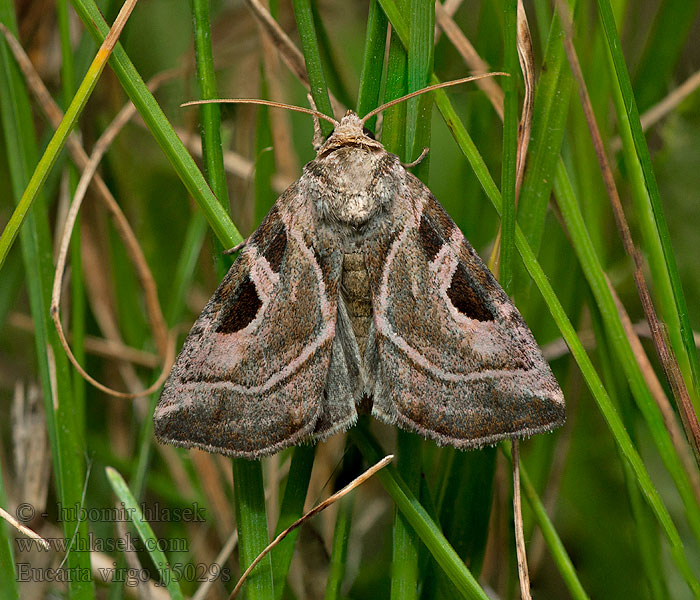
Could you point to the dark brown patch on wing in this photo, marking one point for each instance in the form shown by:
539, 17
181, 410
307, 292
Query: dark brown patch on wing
274, 251
430, 241
270, 224
237, 314
466, 299
439, 218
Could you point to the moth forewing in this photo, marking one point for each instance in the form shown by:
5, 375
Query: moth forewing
356, 290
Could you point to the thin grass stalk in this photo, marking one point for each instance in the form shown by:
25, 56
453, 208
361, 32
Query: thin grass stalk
631, 115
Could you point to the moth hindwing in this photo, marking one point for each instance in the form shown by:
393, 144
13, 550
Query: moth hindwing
356, 291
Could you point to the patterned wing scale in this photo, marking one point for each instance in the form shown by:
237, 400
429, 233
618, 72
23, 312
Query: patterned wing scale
237, 387
457, 363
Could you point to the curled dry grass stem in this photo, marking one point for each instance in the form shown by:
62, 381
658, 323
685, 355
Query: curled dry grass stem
164, 342
663, 349
101, 147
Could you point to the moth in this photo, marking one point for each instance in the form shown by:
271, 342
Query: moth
357, 293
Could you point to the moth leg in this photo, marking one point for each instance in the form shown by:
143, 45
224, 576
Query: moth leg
236, 248
318, 133
418, 161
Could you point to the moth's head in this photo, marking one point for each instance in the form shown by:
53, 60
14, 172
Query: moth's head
349, 132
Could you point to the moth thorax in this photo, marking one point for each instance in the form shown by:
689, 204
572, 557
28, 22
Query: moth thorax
356, 295
351, 186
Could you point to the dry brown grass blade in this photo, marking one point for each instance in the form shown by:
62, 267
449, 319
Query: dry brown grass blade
22, 529
659, 337
523, 575
314, 511
527, 66
104, 348
471, 57
290, 54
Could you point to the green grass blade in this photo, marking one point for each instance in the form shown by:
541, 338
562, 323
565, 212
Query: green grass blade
418, 518
395, 128
253, 537
165, 136
510, 146
314, 64
209, 114
373, 64
291, 510
145, 532
404, 564
631, 115
419, 68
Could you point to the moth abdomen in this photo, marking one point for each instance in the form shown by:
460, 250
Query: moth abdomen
355, 292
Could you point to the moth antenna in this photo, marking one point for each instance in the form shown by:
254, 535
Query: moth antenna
430, 88
318, 134
300, 109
